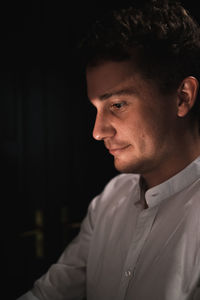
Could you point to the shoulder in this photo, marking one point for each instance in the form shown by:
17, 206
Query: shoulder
122, 183
119, 186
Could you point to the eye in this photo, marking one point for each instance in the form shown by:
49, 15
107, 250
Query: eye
118, 106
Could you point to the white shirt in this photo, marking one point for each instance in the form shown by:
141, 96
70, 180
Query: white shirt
126, 252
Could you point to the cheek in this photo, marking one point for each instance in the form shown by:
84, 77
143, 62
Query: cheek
147, 133
155, 121
141, 126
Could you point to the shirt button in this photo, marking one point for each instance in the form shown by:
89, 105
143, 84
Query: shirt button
128, 273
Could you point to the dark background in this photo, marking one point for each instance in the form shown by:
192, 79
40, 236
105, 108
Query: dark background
50, 166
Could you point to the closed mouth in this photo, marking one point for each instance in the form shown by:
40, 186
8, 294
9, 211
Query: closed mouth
115, 151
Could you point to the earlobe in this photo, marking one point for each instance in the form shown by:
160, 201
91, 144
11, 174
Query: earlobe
187, 94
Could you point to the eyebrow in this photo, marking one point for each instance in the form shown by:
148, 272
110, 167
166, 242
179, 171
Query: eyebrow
122, 92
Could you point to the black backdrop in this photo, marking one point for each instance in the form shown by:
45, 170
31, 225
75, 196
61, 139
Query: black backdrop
50, 166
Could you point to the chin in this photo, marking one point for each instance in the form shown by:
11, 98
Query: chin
136, 166
123, 167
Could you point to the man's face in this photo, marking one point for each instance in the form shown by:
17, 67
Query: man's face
136, 122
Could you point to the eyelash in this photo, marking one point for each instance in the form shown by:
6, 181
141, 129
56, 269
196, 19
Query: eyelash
118, 105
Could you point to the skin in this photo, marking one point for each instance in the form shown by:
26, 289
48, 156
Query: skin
147, 132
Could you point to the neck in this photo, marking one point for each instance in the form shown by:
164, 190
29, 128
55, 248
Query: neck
173, 164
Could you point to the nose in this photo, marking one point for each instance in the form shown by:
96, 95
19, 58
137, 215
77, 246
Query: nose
102, 127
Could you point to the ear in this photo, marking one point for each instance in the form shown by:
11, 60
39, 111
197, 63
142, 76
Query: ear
187, 93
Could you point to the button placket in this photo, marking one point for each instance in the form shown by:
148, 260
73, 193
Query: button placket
143, 228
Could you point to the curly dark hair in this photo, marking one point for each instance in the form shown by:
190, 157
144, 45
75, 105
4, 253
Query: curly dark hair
161, 37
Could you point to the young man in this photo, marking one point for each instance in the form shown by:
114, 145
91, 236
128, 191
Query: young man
141, 237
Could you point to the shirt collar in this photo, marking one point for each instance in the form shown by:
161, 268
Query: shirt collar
173, 185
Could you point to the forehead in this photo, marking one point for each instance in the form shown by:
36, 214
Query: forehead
108, 76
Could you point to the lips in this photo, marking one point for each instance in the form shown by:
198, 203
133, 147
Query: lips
117, 150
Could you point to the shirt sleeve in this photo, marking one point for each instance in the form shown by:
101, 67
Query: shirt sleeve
28, 296
66, 279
